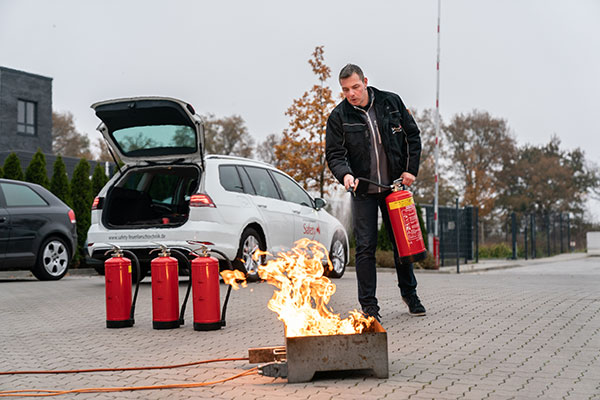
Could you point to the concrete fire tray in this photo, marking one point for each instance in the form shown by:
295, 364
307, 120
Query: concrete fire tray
306, 355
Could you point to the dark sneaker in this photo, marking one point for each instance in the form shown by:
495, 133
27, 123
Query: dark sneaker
372, 311
414, 305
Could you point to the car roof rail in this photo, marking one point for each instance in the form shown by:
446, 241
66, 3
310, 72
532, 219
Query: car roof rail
236, 158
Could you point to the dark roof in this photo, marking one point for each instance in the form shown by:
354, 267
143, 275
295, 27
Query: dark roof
23, 73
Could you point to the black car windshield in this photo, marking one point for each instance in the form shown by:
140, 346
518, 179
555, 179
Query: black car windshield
156, 140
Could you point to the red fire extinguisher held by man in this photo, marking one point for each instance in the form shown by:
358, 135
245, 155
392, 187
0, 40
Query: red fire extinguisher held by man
165, 290
120, 308
404, 221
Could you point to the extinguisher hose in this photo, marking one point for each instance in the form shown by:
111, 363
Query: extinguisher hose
189, 288
224, 311
137, 282
375, 183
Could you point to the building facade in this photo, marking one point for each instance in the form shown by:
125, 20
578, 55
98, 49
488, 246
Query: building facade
25, 111
26, 119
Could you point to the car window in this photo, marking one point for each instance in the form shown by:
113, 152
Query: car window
133, 180
230, 179
262, 182
291, 190
21, 196
156, 140
248, 188
162, 188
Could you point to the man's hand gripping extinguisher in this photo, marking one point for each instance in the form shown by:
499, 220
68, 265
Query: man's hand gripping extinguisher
204, 281
120, 309
404, 221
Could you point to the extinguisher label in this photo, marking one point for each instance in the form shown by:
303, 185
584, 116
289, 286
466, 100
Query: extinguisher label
401, 203
411, 224
129, 268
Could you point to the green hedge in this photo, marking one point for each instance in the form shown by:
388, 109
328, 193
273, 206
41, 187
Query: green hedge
499, 250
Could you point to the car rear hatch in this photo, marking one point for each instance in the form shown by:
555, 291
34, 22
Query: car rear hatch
151, 130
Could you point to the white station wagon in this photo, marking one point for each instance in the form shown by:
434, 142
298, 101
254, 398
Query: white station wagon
169, 192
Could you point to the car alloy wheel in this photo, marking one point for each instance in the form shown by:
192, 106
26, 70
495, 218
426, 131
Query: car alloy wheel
338, 258
53, 260
249, 243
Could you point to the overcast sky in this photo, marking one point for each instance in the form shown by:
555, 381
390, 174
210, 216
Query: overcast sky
534, 63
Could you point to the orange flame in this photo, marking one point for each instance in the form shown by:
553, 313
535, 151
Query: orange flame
231, 277
303, 295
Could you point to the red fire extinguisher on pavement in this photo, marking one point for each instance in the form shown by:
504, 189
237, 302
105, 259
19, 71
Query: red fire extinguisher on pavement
206, 291
120, 308
404, 221
205, 287
165, 290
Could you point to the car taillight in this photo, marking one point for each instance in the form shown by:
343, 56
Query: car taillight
98, 203
201, 200
71, 214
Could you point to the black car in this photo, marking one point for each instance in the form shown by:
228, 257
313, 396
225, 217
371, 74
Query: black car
37, 230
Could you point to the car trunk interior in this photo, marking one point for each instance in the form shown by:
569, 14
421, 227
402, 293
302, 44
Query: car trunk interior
147, 197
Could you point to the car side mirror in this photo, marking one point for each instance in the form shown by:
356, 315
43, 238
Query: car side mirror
320, 203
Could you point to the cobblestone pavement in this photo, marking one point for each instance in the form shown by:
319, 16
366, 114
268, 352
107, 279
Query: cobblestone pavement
523, 333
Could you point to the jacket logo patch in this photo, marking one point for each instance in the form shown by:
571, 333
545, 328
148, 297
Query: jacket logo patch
397, 129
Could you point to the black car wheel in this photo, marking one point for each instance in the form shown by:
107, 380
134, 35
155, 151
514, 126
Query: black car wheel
52, 260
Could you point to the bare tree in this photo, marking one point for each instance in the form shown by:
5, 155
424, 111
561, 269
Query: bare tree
266, 149
424, 187
66, 139
480, 147
227, 136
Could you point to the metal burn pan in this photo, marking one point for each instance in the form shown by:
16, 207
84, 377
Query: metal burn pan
306, 355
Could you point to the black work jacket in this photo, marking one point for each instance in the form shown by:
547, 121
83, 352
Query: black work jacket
348, 144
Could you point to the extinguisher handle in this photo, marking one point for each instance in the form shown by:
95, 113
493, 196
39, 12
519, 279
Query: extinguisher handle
375, 183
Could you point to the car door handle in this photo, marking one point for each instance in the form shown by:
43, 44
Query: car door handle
2, 219
262, 205
296, 211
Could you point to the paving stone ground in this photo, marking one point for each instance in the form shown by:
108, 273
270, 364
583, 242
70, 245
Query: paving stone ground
531, 332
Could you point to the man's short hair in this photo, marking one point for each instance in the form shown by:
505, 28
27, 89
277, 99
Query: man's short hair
350, 69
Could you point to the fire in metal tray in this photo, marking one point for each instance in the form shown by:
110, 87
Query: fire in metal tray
303, 293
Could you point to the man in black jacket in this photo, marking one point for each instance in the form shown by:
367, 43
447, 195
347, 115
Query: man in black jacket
371, 135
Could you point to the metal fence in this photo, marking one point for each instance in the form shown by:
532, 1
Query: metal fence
458, 232
520, 235
534, 235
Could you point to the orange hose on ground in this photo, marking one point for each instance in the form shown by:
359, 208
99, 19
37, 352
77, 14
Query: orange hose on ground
48, 393
76, 371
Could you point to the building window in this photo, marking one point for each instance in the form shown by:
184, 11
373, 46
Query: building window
26, 117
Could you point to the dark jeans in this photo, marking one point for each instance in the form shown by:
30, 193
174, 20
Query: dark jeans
364, 215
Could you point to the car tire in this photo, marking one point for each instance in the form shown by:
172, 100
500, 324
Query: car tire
53, 259
99, 269
249, 241
338, 254
144, 269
